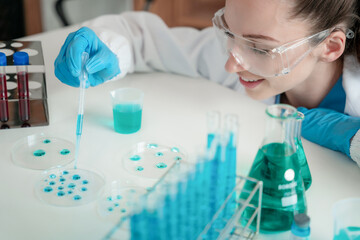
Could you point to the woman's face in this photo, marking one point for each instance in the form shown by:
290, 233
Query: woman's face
267, 22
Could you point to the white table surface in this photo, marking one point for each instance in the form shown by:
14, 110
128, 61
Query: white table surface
174, 111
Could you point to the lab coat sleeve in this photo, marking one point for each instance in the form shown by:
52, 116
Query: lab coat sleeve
143, 43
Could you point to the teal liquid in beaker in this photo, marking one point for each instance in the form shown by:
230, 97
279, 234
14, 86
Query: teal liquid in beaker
277, 166
349, 233
305, 171
127, 118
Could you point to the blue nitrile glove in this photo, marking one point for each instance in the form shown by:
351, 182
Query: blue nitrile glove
329, 128
102, 65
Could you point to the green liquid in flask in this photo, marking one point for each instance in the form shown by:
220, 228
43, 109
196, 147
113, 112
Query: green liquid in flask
283, 192
305, 171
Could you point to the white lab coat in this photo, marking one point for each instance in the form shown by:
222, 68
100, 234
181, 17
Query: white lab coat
143, 43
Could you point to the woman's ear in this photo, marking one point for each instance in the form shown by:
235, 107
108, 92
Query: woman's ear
333, 46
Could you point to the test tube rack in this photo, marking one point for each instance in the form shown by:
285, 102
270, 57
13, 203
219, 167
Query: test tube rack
201, 199
39, 113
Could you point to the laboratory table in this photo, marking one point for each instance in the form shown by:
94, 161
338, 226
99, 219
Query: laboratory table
175, 109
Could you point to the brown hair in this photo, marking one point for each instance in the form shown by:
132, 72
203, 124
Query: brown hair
324, 14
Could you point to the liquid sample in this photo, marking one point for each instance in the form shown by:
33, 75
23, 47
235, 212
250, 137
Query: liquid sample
64, 152
135, 158
4, 107
283, 191
305, 171
127, 118
39, 153
23, 92
349, 233
161, 165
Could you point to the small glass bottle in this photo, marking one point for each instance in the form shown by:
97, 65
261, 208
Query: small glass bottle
277, 166
4, 107
305, 171
300, 229
21, 60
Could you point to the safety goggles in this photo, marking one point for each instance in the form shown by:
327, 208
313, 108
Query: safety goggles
262, 59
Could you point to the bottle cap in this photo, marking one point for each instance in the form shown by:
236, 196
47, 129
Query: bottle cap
302, 220
21, 58
2, 59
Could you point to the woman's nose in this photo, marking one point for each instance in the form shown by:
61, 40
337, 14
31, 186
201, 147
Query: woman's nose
232, 66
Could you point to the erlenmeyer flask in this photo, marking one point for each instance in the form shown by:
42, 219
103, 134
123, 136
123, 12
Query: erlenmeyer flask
277, 165
305, 171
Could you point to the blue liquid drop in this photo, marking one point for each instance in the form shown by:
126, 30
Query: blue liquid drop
52, 183
139, 168
60, 188
39, 153
135, 158
116, 204
46, 141
71, 185
48, 189
177, 158
83, 189
175, 149
123, 210
70, 192
161, 165
65, 172
152, 145
85, 182
109, 198
61, 193
118, 197
65, 152
110, 209
77, 197
62, 179
76, 177
52, 176
159, 154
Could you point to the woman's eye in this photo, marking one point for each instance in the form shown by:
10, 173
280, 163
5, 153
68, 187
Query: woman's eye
229, 34
259, 51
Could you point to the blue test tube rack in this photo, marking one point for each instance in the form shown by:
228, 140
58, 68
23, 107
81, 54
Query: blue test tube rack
200, 200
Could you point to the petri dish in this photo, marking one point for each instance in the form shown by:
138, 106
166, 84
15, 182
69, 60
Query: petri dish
67, 187
152, 160
117, 199
41, 152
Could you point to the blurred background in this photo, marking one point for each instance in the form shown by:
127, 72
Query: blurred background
20, 18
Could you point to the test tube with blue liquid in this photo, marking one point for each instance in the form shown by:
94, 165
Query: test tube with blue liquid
4, 107
21, 60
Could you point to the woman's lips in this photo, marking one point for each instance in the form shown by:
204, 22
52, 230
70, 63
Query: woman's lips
252, 84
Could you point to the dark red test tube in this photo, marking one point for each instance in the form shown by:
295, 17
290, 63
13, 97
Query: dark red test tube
4, 107
21, 60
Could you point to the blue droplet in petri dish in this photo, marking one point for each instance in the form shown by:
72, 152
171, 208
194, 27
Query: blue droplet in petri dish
76, 177
60, 188
152, 145
77, 197
109, 198
175, 149
118, 197
48, 189
110, 209
65, 172
61, 193
52, 183
139, 168
159, 154
85, 182
62, 179
177, 158
135, 158
70, 192
71, 185
123, 210
39, 153
52, 176
161, 165
83, 189
65, 151
116, 204
46, 141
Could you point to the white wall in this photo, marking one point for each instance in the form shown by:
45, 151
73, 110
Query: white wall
80, 10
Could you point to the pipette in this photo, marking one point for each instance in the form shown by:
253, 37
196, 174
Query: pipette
79, 122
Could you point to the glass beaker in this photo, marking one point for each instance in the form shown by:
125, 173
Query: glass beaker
277, 165
305, 171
